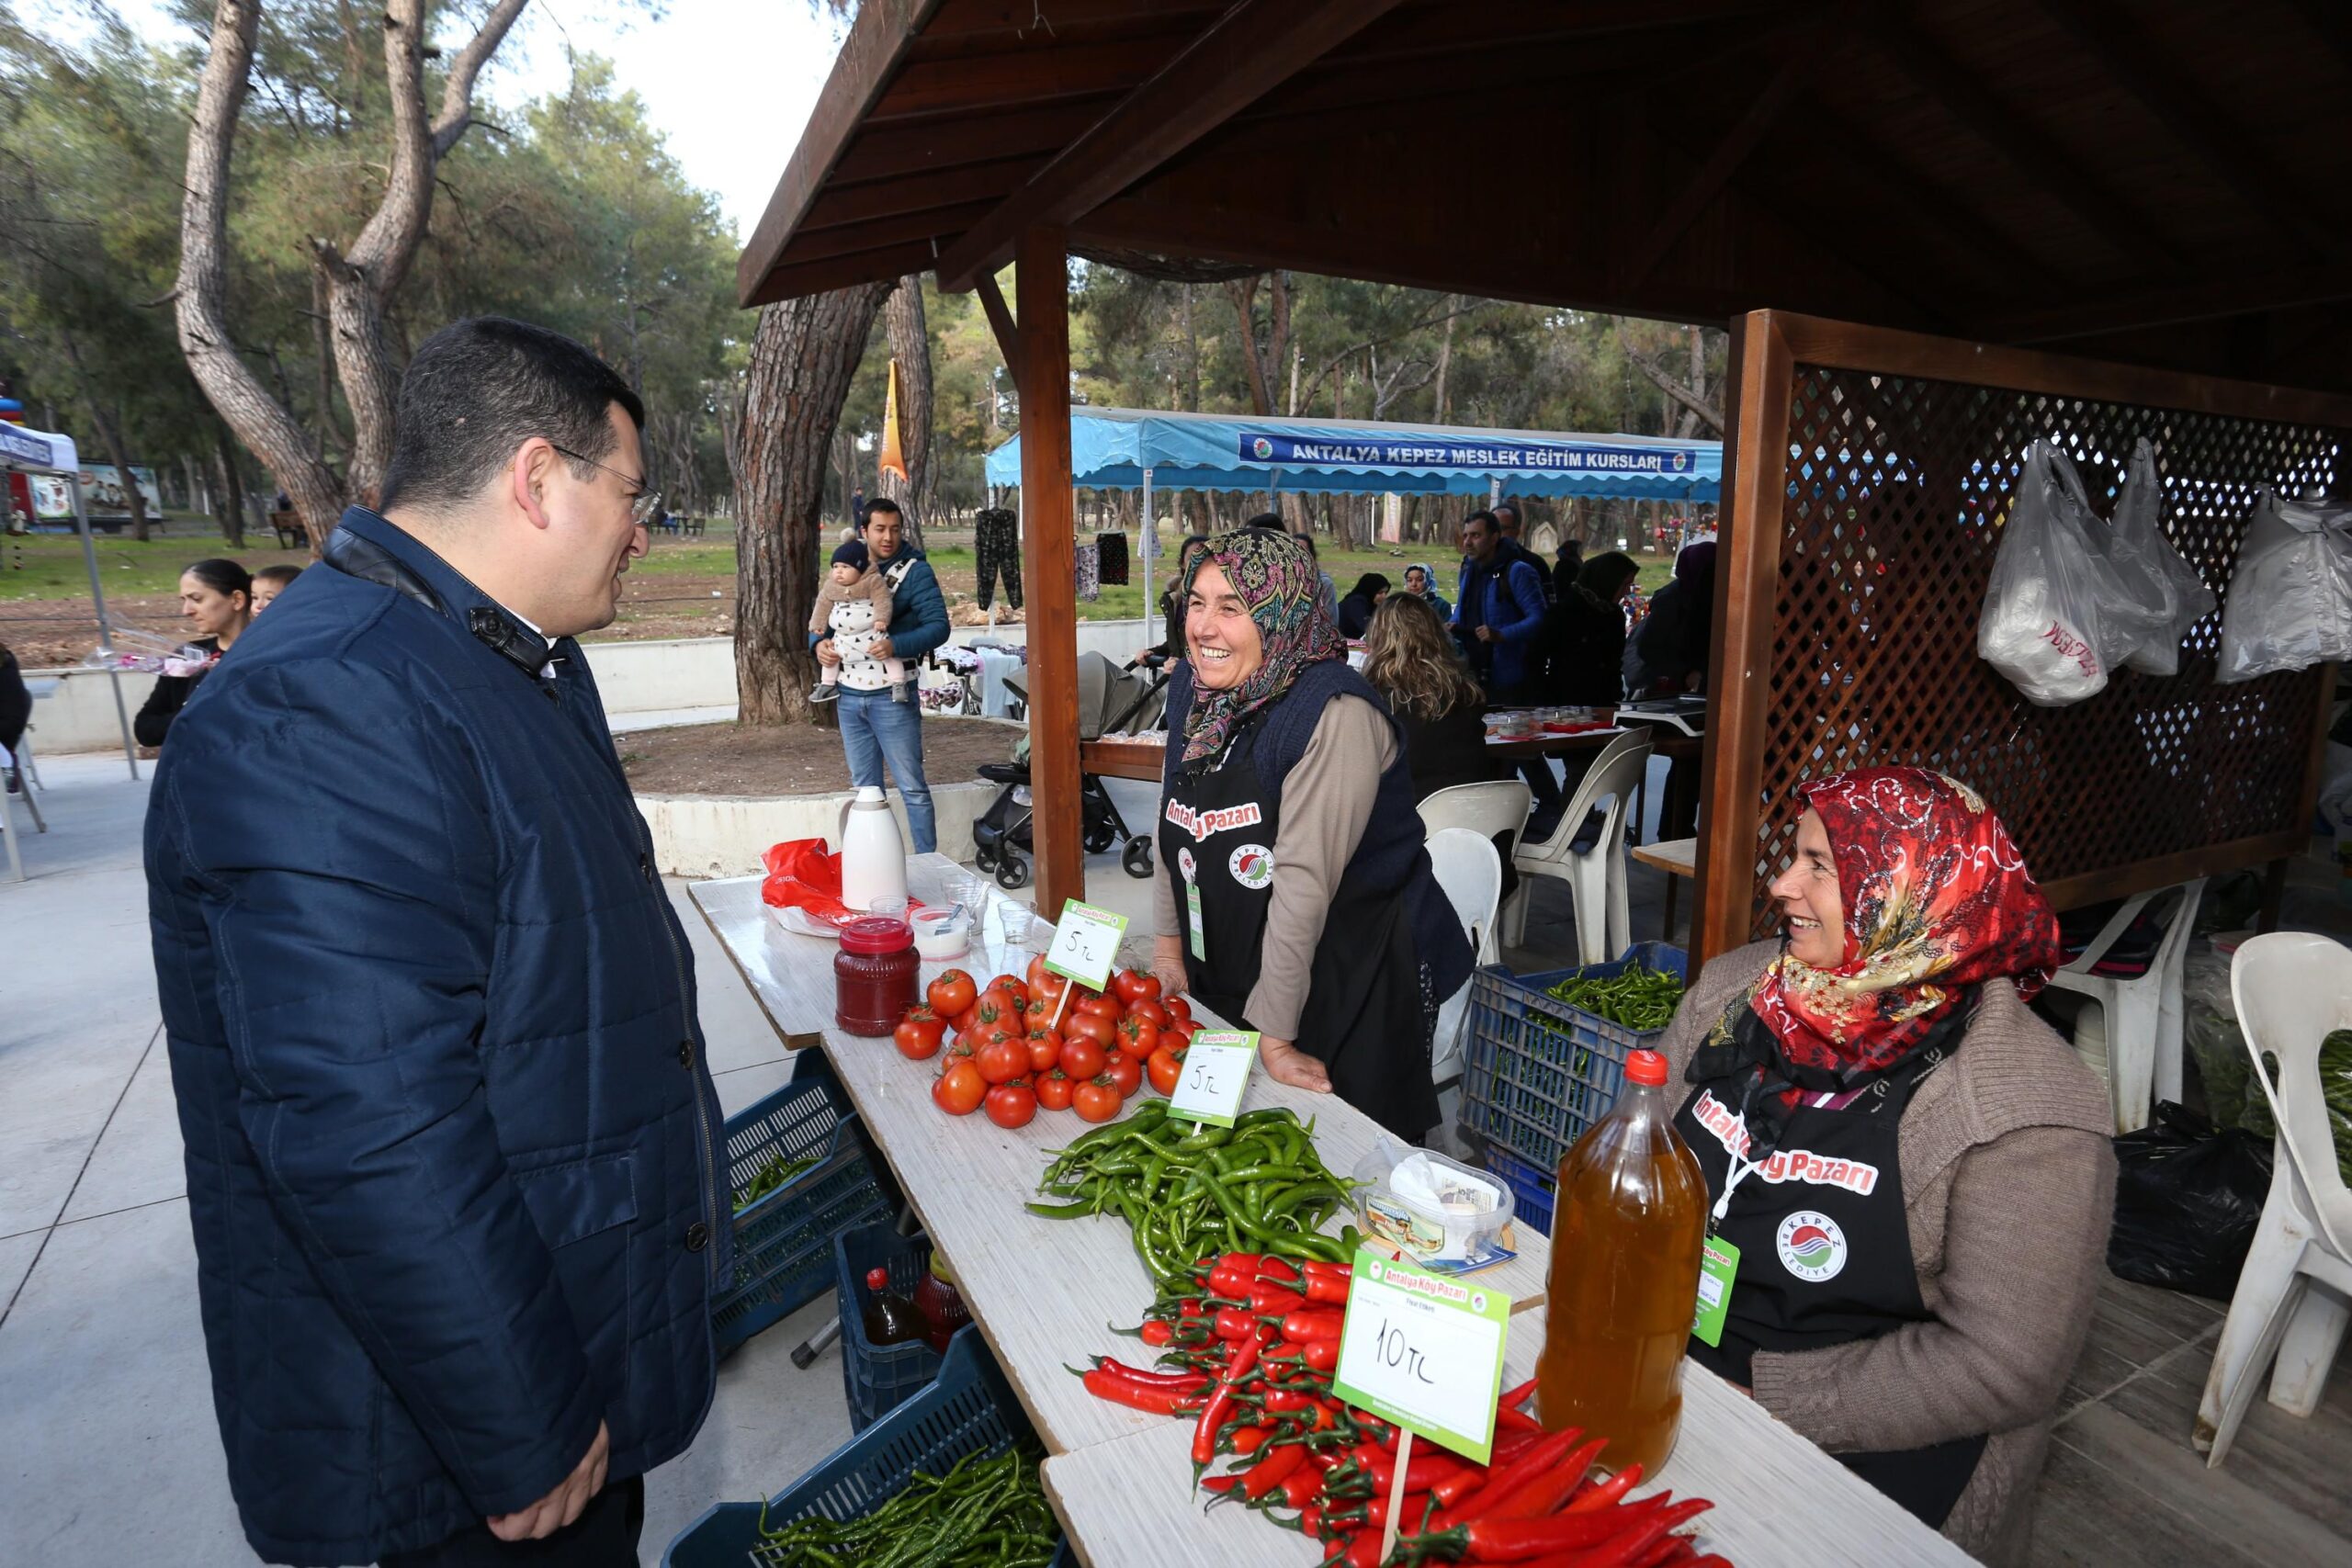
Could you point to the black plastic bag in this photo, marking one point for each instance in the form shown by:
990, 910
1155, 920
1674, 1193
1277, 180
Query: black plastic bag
2187, 1200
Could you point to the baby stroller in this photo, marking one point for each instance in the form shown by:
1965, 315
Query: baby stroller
1111, 700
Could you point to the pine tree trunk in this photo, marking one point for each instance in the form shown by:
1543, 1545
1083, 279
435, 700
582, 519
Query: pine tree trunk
804, 354
911, 345
233, 493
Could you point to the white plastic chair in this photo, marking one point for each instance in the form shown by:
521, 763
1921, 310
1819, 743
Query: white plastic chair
1485, 809
1471, 872
1597, 878
2142, 1012
2292, 989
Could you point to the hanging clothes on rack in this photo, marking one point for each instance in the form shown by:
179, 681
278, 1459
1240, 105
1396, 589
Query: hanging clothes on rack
1090, 573
996, 538
1111, 556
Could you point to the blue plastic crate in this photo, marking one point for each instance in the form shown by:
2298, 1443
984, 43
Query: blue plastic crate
968, 1408
1534, 1189
877, 1378
1539, 1071
783, 1242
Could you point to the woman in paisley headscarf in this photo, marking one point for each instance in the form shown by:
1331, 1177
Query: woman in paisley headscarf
1910, 1172
1297, 899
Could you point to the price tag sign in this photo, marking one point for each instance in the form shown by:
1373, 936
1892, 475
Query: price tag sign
1086, 944
1216, 1071
1425, 1351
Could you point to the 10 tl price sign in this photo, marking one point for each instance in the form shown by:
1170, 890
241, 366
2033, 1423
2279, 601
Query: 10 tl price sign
1424, 1351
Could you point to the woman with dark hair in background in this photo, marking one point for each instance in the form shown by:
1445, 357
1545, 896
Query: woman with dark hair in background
217, 597
1588, 632
1410, 658
1355, 610
1668, 656
1171, 604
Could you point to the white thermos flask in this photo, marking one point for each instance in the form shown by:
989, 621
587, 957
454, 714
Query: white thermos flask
874, 858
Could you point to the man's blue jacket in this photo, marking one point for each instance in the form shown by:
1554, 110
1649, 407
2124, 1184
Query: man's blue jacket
453, 1158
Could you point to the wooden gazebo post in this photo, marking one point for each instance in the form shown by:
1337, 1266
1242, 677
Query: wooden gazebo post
1048, 560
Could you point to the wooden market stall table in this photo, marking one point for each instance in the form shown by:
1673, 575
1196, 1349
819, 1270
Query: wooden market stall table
1678, 858
1044, 1294
1121, 759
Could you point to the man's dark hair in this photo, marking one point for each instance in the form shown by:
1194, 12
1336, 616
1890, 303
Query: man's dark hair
478, 389
881, 503
1483, 515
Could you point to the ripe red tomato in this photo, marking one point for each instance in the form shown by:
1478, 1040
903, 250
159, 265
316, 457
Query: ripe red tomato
1150, 1009
1038, 979
918, 1033
1001, 1061
1045, 1050
951, 993
1097, 1099
1090, 1026
959, 1089
996, 1007
1124, 1071
1179, 1010
1017, 989
1082, 1055
1100, 1006
1138, 1037
1134, 986
1167, 1066
1012, 1105
1053, 1090
1180, 1031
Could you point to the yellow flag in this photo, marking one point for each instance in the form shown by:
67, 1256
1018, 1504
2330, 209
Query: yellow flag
894, 451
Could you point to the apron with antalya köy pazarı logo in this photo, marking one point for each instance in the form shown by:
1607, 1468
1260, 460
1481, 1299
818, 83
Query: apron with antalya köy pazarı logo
1824, 1243
1363, 1017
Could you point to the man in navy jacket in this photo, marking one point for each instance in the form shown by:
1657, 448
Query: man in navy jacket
887, 726
452, 1146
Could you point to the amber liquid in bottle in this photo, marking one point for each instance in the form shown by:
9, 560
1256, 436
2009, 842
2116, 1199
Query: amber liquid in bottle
1630, 1216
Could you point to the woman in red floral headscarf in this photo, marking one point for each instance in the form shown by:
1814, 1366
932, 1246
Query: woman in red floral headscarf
1911, 1171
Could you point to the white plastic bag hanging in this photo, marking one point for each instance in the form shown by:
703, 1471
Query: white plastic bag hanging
2055, 618
2290, 598
2151, 570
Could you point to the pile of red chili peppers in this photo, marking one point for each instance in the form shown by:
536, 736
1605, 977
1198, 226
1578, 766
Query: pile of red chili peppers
1250, 1359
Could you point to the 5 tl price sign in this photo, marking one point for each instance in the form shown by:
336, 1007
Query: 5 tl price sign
1425, 1351
1216, 1072
1086, 944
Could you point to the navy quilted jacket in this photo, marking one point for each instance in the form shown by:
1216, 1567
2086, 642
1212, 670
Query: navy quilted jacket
451, 1142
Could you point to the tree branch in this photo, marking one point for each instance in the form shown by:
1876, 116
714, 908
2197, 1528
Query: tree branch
458, 90
1712, 414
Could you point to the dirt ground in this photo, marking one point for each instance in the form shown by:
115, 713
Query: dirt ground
797, 758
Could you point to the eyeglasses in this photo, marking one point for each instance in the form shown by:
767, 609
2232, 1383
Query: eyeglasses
641, 506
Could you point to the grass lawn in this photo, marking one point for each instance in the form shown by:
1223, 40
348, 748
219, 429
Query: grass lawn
49, 566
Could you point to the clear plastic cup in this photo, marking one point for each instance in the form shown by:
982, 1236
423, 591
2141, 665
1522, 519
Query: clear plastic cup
1018, 921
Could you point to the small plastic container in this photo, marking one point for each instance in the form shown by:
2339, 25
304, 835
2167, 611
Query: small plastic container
874, 975
942, 934
1444, 1215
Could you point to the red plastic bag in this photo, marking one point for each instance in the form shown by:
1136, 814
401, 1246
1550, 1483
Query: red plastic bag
804, 876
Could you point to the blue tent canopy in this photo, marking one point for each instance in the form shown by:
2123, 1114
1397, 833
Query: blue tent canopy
1110, 449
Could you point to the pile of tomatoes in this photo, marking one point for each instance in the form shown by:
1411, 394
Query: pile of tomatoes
1000, 1049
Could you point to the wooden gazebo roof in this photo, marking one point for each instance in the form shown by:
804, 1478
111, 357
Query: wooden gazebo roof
2159, 181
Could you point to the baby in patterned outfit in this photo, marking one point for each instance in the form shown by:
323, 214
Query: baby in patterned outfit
853, 608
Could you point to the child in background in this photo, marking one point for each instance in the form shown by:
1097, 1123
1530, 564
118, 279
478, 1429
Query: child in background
270, 581
853, 607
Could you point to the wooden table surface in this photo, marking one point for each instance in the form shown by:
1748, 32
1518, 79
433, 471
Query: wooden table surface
1142, 760
1044, 1294
1676, 857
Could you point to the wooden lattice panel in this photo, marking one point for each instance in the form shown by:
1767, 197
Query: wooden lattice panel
1896, 489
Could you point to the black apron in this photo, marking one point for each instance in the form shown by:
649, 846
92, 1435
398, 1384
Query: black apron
1825, 1249
1365, 1020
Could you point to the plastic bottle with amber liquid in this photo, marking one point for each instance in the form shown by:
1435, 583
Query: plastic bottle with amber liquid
941, 1303
1626, 1230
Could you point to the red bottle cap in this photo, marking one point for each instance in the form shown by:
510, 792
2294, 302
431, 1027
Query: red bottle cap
878, 1279
877, 934
1646, 1067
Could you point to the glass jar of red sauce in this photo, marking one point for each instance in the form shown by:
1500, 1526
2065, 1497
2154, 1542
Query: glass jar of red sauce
874, 975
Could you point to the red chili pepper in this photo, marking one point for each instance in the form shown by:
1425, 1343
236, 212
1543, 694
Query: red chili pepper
1322, 1355
1249, 1440
1156, 1333
1514, 1397
1212, 1413
1509, 1420
1303, 1483
1456, 1487
1544, 1494
1426, 1471
1272, 1267
1272, 1470
1608, 1491
1220, 1483
1501, 1483
1563, 1541
1119, 1390
1270, 1299
1283, 1401
1309, 1325
1234, 1324
1191, 1382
